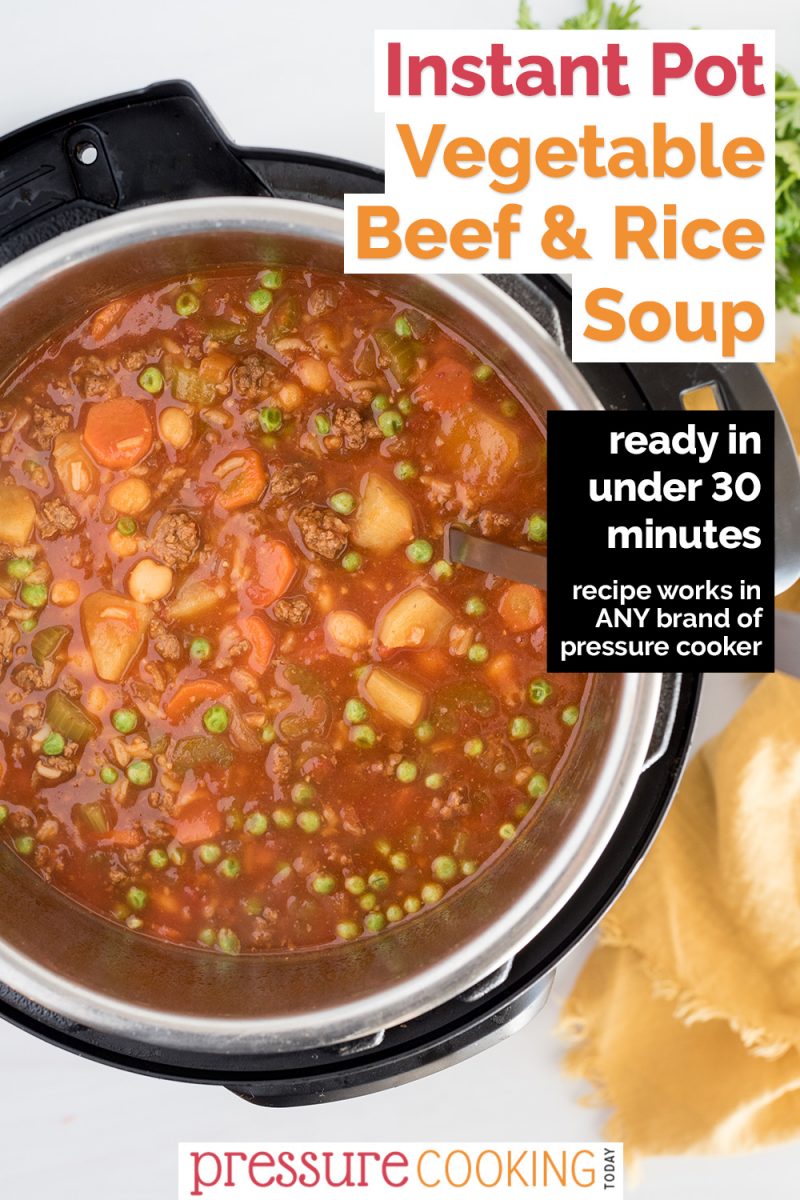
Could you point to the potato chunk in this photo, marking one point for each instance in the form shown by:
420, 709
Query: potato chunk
346, 632
114, 628
195, 599
414, 620
17, 515
393, 697
383, 519
74, 467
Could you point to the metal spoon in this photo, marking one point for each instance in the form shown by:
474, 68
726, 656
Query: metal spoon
494, 558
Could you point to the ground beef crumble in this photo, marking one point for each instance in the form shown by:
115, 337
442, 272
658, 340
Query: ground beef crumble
56, 518
167, 644
175, 539
288, 480
354, 429
46, 423
322, 531
294, 610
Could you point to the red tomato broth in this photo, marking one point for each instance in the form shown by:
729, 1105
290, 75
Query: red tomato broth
309, 836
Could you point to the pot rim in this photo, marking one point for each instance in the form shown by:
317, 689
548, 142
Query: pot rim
626, 748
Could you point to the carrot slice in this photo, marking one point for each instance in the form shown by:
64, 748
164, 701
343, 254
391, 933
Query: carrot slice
199, 826
189, 695
214, 367
262, 643
242, 479
274, 571
104, 321
445, 386
118, 433
522, 607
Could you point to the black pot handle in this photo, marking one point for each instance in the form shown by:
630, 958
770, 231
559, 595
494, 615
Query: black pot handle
739, 387
160, 143
144, 147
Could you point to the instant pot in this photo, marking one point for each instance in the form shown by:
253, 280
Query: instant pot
132, 189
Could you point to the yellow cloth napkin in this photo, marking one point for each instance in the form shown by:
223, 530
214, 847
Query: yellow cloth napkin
686, 1018
783, 376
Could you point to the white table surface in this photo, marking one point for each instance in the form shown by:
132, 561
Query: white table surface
299, 75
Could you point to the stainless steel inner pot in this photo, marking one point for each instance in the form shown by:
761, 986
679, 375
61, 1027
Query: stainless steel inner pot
86, 969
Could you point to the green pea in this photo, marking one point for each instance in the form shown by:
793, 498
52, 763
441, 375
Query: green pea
399, 861
478, 653
537, 786
323, 885
425, 732
378, 880
28, 624
343, 502
536, 529
308, 820
207, 937
405, 470
270, 419
374, 922
268, 734
256, 824
434, 781
363, 736
272, 279
406, 405
124, 720
322, 424
442, 570
53, 744
200, 649
259, 300
109, 774
24, 845
468, 867
570, 714
539, 690
473, 747
482, 373
394, 913
34, 594
475, 607
302, 793
402, 327
228, 942
186, 304
209, 853
126, 526
519, 728
380, 403
3, 813
151, 380
368, 901
507, 831
444, 868
352, 561
419, 551
406, 771
137, 898
390, 423
347, 930
412, 904
158, 859
229, 868
431, 893
509, 407
355, 885
140, 773
283, 818
19, 568
216, 718
355, 712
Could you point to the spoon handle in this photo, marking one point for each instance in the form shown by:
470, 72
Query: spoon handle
507, 562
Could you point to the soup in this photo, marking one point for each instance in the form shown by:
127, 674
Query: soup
246, 704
